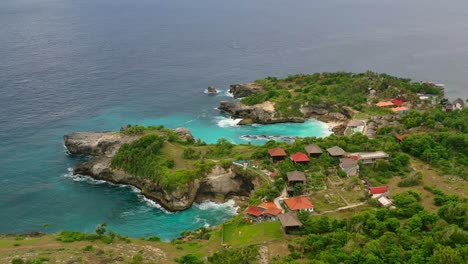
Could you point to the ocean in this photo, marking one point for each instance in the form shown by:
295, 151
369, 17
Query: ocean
94, 65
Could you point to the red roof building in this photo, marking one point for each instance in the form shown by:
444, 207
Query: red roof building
378, 190
277, 152
267, 205
272, 211
299, 203
254, 211
397, 102
299, 157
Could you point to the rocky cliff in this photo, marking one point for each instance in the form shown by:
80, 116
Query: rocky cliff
265, 113
220, 185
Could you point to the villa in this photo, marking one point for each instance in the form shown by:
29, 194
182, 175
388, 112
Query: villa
300, 203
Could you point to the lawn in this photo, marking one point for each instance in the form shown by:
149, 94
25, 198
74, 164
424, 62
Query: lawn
247, 234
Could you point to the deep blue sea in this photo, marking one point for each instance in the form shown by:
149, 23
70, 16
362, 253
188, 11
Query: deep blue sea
87, 65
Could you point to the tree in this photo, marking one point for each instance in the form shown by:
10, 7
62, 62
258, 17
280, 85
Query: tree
446, 255
101, 229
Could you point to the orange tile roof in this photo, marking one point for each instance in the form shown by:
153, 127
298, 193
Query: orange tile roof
384, 103
299, 203
254, 210
300, 157
277, 152
272, 211
398, 109
267, 205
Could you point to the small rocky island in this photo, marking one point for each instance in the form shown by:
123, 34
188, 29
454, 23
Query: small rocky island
216, 182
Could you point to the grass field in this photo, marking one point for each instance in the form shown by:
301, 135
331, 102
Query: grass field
448, 184
241, 235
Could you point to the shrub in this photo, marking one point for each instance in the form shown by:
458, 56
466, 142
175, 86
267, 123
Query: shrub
412, 180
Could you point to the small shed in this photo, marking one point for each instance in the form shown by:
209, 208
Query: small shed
336, 151
378, 191
290, 222
299, 157
295, 177
277, 154
313, 150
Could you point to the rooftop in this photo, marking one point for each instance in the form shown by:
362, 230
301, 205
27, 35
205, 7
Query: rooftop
254, 210
372, 155
300, 157
299, 203
384, 103
289, 219
277, 152
336, 151
296, 176
378, 190
313, 149
348, 162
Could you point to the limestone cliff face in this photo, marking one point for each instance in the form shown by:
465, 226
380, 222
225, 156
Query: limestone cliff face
220, 185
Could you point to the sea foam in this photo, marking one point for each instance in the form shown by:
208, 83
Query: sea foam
228, 122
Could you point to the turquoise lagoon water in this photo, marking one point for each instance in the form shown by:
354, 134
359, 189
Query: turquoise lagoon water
50, 194
92, 65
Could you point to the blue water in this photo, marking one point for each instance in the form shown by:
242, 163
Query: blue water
100, 64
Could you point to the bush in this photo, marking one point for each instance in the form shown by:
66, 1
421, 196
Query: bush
154, 238
412, 180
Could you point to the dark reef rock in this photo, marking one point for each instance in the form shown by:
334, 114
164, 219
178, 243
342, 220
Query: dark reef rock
243, 90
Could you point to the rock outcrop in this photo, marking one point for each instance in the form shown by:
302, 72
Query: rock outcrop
220, 185
265, 112
243, 90
259, 114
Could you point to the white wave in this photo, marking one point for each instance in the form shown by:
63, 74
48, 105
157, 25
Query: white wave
229, 94
209, 205
228, 122
153, 204
206, 92
65, 149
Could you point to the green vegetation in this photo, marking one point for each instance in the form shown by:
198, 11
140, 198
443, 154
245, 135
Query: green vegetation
337, 90
239, 233
408, 234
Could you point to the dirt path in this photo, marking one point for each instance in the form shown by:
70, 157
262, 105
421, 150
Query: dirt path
263, 257
343, 208
277, 199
